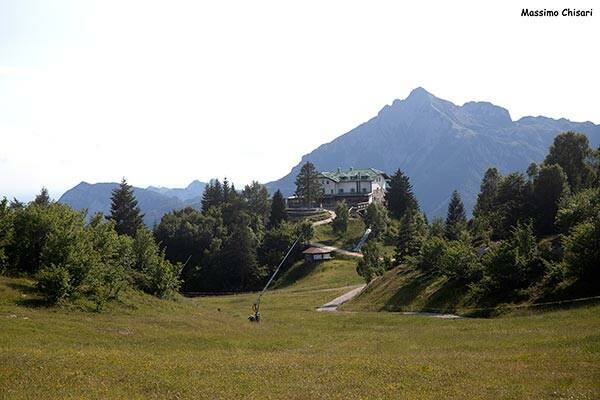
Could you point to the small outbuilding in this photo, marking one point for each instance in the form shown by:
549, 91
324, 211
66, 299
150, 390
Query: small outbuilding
313, 254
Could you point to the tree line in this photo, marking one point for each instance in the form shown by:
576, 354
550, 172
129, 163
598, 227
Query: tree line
231, 244
535, 229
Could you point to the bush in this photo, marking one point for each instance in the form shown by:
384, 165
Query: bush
578, 208
340, 224
515, 263
104, 284
54, 283
459, 261
377, 219
371, 264
6, 232
155, 275
582, 249
431, 254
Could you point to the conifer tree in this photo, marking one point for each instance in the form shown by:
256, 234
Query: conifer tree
226, 191
487, 193
549, 187
456, 219
409, 237
240, 258
212, 196
278, 213
124, 210
308, 186
399, 197
42, 199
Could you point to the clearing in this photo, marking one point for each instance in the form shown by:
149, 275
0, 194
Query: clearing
204, 348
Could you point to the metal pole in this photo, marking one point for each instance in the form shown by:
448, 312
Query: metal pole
275, 273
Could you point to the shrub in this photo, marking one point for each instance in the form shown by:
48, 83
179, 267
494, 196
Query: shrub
155, 275
515, 263
371, 264
340, 224
6, 232
578, 208
54, 283
582, 249
432, 251
459, 261
105, 283
377, 219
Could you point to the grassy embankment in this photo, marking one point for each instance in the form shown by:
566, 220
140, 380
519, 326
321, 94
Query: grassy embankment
324, 234
205, 348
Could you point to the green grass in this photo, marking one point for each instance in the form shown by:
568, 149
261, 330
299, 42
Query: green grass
339, 272
324, 234
405, 289
144, 348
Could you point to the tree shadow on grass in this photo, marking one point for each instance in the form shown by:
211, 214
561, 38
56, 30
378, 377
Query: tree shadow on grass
296, 273
30, 297
446, 297
408, 292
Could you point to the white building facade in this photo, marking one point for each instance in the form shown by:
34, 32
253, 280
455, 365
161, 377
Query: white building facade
355, 186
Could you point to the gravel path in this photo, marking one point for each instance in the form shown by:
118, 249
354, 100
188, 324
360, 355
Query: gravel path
338, 301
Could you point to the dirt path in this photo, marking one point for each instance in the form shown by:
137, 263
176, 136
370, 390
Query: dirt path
327, 220
338, 301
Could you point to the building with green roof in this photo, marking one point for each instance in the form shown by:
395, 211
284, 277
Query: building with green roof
355, 186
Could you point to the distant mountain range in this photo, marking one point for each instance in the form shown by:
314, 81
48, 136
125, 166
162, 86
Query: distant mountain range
441, 146
153, 201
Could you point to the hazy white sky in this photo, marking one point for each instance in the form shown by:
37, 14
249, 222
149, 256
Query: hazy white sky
171, 91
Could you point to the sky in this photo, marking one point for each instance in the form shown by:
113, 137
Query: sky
164, 92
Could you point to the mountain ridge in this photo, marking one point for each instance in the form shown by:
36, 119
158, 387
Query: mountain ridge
154, 202
441, 146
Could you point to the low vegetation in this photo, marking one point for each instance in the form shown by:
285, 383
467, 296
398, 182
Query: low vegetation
142, 347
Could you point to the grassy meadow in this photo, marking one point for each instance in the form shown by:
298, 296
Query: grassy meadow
204, 348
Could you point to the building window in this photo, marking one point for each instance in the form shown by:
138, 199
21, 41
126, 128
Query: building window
331, 191
351, 190
364, 190
341, 191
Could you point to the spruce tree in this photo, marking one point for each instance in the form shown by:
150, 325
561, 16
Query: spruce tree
456, 219
549, 187
278, 213
212, 196
226, 191
487, 193
42, 199
240, 261
124, 210
399, 196
308, 186
409, 237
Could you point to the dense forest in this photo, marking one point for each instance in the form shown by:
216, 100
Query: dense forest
534, 231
